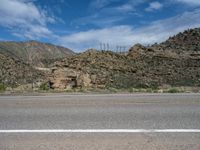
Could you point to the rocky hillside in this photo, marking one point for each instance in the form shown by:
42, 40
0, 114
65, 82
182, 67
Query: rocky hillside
14, 73
186, 41
33, 52
89, 69
175, 62
166, 67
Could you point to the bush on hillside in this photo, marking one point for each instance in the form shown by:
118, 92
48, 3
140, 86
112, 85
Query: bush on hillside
44, 87
2, 87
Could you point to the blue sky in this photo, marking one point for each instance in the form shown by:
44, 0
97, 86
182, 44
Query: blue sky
83, 24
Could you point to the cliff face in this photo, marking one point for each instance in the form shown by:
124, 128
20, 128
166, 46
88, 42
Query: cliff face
34, 53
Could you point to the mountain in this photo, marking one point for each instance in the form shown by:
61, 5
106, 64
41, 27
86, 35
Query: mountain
175, 62
35, 53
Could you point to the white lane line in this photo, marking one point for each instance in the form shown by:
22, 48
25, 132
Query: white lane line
104, 131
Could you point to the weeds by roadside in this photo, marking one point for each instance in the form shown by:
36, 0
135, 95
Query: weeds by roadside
173, 90
44, 87
2, 87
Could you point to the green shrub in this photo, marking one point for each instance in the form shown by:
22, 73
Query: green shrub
2, 87
173, 90
112, 90
149, 90
44, 87
137, 90
131, 90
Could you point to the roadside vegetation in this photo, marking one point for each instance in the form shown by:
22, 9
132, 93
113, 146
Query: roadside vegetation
2, 87
174, 90
44, 87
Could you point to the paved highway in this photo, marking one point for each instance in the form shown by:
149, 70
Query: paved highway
47, 122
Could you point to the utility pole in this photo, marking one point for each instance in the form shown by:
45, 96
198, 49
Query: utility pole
124, 49
120, 49
108, 47
104, 46
100, 46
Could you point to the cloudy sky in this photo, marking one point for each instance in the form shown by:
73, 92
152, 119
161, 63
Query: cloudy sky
83, 24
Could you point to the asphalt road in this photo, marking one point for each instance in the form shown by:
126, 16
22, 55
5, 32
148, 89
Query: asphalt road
121, 111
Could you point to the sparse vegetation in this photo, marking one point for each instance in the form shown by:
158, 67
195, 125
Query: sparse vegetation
44, 87
2, 87
113, 90
143, 90
173, 90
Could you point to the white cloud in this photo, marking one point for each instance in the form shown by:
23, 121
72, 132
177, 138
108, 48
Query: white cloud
98, 4
100, 20
154, 6
190, 2
24, 18
125, 8
92, 38
157, 31
130, 5
109, 15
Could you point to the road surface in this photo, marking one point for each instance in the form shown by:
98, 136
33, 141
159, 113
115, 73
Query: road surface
120, 121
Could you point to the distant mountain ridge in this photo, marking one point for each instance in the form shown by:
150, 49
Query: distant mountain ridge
34, 52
